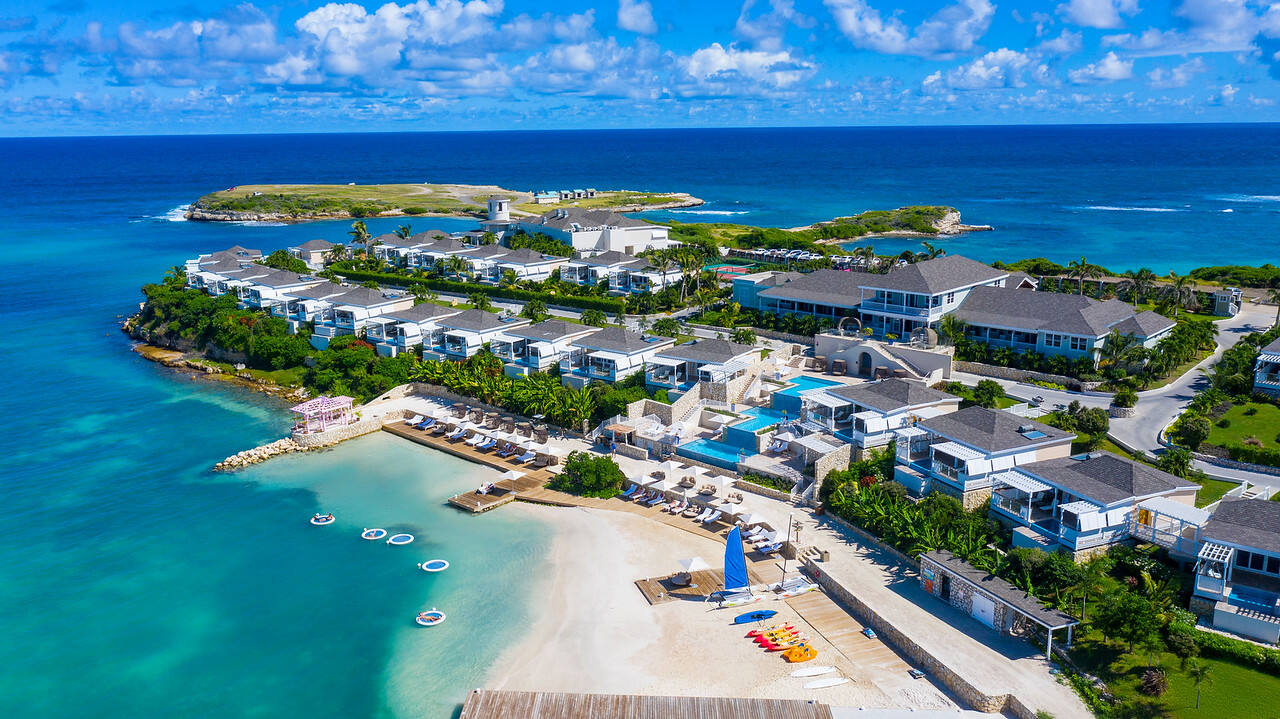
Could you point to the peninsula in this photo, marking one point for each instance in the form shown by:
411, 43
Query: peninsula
297, 203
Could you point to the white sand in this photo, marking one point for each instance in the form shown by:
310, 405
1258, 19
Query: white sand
594, 632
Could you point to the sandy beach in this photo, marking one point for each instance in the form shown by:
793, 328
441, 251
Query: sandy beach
593, 631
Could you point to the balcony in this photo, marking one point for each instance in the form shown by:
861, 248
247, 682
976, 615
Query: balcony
878, 306
1269, 379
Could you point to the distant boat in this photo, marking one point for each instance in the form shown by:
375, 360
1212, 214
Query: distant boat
811, 671
824, 683
757, 616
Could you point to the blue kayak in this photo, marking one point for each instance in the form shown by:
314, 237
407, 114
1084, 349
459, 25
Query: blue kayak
757, 616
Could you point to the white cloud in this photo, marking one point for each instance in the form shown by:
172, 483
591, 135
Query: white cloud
954, 28
636, 16
1225, 95
1097, 13
1261, 101
1000, 68
1177, 76
765, 31
1210, 26
722, 69
1109, 69
1068, 43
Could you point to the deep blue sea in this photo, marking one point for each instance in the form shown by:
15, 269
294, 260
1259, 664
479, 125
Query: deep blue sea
134, 582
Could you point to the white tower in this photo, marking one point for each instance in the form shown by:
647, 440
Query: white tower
499, 208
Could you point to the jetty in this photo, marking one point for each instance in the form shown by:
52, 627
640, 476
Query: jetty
502, 704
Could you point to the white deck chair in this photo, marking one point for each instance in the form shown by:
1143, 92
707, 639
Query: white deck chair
416, 419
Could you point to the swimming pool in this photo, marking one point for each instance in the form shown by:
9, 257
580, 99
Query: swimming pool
788, 400
759, 418
1248, 599
717, 454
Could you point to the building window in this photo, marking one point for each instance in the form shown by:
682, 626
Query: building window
1079, 344
951, 297
1273, 565
1242, 559
1052, 340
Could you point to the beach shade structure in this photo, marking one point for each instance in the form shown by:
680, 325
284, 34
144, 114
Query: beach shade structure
321, 413
512, 474
694, 564
749, 519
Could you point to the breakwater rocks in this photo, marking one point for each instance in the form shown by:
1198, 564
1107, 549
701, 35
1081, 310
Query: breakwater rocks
243, 459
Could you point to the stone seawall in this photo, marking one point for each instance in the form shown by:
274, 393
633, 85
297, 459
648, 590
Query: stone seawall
1021, 375
305, 442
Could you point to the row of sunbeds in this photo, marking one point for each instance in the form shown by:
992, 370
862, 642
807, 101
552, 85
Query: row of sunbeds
478, 440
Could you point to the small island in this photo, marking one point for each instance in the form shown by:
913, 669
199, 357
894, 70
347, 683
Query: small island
298, 203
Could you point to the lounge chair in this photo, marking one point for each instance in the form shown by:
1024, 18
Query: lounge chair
526, 457
753, 532
507, 450
678, 507
705, 513
764, 538
456, 433
644, 496
476, 439
714, 516
487, 444
427, 423
414, 420
769, 548
655, 500
627, 494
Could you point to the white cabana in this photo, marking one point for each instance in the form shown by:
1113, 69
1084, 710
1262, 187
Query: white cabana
512, 474
694, 564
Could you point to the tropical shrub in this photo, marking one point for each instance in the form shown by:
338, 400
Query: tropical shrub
988, 393
540, 242
282, 260
589, 475
604, 304
1125, 397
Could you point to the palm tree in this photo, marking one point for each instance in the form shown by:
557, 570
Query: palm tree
404, 231
456, 265
1092, 580
1200, 674
1140, 284
1081, 270
336, 253
952, 328
1118, 349
1180, 291
360, 235
480, 301
931, 251
1273, 296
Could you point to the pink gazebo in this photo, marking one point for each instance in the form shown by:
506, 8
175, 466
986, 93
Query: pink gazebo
321, 413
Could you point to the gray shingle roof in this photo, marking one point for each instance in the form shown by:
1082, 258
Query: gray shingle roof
238, 251
990, 430
1052, 312
479, 321
1017, 278
280, 278
526, 256
429, 236
320, 291
1106, 478
1002, 590
589, 218
316, 245
618, 339
550, 330
828, 287
488, 252
1145, 324
422, 312
362, 297
1247, 522
941, 274
1274, 347
443, 244
707, 350
889, 395
607, 259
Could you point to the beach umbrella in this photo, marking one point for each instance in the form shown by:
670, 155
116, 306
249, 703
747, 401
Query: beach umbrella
750, 518
512, 474
694, 564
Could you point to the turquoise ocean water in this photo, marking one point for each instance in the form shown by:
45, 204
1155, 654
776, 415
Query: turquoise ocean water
134, 582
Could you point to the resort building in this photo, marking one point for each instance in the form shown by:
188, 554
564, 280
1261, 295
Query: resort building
960, 453
482, 261
587, 231
1237, 578
1266, 370
402, 330
868, 414
525, 264
705, 360
998, 307
1226, 301
612, 354
626, 274
402, 251
269, 287
307, 304
433, 249
991, 600
210, 272
313, 252
465, 333
1082, 504
350, 312
537, 347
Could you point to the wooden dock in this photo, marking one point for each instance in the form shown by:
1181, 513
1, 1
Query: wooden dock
501, 704
659, 590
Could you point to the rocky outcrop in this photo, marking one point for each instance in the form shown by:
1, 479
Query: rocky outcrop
201, 214
950, 224
240, 460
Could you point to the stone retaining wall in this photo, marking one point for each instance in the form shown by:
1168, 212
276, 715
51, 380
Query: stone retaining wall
342, 434
769, 492
1021, 375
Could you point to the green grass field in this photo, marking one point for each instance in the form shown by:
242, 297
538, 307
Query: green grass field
1233, 691
1264, 424
604, 200
356, 199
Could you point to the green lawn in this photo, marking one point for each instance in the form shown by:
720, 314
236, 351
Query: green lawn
1142, 306
307, 199
606, 200
291, 377
967, 394
1235, 691
1263, 424
1211, 490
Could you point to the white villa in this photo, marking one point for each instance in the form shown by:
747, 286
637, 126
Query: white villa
526, 264
1238, 568
352, 311
1266, 370
612, 354
999, 308
313, 252
307, 304
401, 330
867, 415
1082, 504
537, 347
961, 453
462, 335
705, 360
626, 274
424, 255
266, 289
587, 231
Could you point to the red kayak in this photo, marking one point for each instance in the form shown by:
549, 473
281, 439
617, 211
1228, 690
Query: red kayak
778, 637
769, 630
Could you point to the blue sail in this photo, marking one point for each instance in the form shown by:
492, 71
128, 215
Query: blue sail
735, 562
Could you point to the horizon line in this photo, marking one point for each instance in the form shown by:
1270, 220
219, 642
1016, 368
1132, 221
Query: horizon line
697, 128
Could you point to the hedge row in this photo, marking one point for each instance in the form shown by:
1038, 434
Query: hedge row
1247, 654
1254, 455
604, 304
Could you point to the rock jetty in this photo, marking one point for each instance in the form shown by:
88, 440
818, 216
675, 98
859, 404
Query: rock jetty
240, 460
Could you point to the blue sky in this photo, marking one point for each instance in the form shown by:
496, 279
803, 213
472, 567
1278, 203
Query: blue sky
146, 66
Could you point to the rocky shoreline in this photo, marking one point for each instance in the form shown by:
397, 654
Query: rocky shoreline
200, 214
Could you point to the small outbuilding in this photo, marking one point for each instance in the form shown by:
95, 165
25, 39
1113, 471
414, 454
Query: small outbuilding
990, 599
